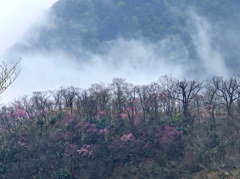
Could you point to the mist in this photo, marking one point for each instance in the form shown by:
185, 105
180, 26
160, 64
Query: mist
136, 60
133, 60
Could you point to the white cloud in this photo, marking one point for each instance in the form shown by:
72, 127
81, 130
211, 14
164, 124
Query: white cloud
135, 60
202, 35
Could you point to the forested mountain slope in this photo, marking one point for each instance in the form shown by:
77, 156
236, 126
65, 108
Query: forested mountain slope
198, 33
89, 23
169, 129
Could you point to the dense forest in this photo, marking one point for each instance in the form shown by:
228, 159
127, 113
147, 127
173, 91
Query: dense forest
167, 129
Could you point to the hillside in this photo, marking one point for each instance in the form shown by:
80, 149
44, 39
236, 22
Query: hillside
161, 130
90, 23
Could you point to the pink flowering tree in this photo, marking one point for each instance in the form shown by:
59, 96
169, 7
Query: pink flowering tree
100, 115
19, 111
87, 151
167, 135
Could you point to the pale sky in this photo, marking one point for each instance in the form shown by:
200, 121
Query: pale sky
16, 16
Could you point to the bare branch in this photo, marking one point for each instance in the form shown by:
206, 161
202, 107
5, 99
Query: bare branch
8, 75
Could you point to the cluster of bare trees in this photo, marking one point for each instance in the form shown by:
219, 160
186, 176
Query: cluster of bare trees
146, 103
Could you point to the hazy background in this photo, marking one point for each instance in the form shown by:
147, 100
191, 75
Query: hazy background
16, 17
54, 52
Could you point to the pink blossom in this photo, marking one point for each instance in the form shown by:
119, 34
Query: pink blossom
92, 130
167, 134
127, 137
104, 131
100, 115
87, 151
19, 110
79, 124
70, 150
21, 143
89, 125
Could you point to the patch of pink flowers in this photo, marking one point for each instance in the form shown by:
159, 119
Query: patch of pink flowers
21, 143
86, 151
85, 125
20, 111
70, 150
127, 138
90, 128
167, 134
104, 131
100, 115
122, 145
89, 125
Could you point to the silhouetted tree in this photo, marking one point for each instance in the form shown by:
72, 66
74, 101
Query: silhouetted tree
186, 91
228, 90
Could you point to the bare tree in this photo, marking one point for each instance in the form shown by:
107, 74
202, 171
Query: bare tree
143, 97
58, 99
211, 98
228, 90
69, 94
167, 85
118, 87
7, 75
28, 106
88, 105
41, 103
130, 106
102, 95
186, 91
154, 101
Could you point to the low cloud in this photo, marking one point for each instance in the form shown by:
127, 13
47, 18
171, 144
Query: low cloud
135, 60
202, 35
